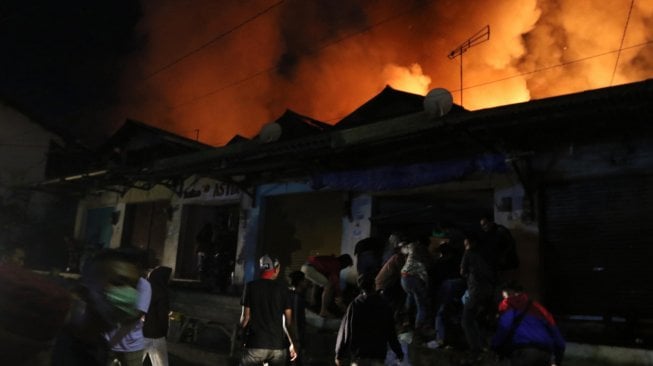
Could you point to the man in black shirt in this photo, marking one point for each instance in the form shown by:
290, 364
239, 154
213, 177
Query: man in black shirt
367, 329
266, 318
481, 279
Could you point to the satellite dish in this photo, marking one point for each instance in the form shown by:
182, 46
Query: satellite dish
438, 102
270, 132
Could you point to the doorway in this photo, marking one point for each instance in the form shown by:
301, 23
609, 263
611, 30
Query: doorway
214, 230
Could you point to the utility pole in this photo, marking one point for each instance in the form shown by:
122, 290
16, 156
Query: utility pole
479, 37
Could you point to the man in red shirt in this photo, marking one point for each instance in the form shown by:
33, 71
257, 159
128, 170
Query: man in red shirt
324, 271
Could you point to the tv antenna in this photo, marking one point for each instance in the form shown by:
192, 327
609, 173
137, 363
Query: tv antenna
479, 37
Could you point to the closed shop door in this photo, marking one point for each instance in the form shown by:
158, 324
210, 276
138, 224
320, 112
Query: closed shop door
598, 246
145, 226
98, 230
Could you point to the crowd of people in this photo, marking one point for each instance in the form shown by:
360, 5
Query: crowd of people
445, 291
457, 290
453, 290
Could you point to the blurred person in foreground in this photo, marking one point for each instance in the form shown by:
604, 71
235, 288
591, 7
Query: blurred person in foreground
155, 328
105, 296
267, 318
367, 329
126, 341
527, 333
32, 311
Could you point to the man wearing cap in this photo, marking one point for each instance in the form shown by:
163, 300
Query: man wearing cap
266, 318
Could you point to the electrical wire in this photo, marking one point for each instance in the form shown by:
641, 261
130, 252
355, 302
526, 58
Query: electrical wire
214, 39
553, 66
321, 47
346, 37
623, 37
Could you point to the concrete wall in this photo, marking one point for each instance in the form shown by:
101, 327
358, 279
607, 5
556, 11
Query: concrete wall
23, 148
355, 226
197, 190
36, 220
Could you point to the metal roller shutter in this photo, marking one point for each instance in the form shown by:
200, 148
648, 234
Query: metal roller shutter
598, 246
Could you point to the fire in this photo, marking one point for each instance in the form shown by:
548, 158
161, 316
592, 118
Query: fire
325, 58
409, 79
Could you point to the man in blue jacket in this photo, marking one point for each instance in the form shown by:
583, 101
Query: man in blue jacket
527, 332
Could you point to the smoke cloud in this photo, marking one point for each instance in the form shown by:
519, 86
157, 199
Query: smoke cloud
325, 58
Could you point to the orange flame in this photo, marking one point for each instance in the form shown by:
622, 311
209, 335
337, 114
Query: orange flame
330, 57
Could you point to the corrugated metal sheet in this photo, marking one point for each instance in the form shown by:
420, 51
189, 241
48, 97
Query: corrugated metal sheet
598, 246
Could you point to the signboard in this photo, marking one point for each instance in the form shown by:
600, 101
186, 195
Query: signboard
210, 190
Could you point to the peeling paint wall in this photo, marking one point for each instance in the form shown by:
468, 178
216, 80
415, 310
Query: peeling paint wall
203, 191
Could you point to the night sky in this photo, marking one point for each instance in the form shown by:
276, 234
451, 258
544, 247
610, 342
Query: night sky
61, 60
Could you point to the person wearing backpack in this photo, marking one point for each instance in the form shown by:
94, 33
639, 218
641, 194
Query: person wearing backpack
526, 332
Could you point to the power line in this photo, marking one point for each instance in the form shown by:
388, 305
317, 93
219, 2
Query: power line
214, 39
321, 47
623, 37
554, 66
339, 40
181, 58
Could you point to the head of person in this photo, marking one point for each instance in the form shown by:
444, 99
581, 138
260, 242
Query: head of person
395, 239
160, 276
407, 246
13, 254
366, 283
440, 236
487, 223
269, 267
111, 279
298, 280
345, 261
436, 240
511, 288
471, 240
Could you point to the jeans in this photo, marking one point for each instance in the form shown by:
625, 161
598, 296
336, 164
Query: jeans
477, 299
416, 293
449, 291
157, 350
259, 356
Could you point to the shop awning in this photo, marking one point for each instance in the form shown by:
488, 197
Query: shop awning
411, 175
